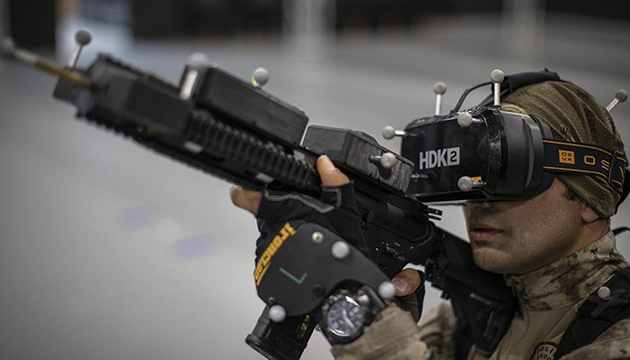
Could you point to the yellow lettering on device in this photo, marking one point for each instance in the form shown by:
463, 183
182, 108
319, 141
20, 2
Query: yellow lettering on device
566, 157
589, 160
265, 259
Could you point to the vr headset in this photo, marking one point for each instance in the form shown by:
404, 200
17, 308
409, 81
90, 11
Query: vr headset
487, 154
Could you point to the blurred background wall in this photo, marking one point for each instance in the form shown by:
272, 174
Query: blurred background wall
108, 251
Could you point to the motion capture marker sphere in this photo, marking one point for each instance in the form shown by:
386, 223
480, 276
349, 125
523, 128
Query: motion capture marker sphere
465, 183
603, 293
620, 96
83, 37
388, 132
7, 47
260, 77
464, 119
277, 313
385, 161
497, 76
388, 160
439, 88
198, 61
386, 290
340, 250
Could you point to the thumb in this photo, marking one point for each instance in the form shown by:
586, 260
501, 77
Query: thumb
330, 175
407, 281
246, 199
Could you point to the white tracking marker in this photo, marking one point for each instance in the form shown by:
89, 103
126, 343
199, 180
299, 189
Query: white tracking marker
196, 62
82, 38
439, 89
464, 119
497, 77
260, 77
389, 132
604, 293
388, 160
340, 250
466, 183
620, 97
277, 313
387, 290
385, 161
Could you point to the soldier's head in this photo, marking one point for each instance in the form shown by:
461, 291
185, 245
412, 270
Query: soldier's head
522, 236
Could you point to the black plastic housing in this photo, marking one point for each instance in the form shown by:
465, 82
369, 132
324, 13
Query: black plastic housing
353, 149
250, 106
502, 150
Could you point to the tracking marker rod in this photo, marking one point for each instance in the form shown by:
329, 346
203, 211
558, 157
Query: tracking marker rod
620, 97
9, 50
82, 38
439, 89
497, 77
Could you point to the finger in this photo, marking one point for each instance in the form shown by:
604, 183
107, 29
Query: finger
406, 282
330, 175
246, 199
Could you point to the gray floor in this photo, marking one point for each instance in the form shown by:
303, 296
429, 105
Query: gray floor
108, 251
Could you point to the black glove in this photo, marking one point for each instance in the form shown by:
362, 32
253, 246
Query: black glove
336, 211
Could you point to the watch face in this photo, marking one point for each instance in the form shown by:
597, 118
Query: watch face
345, 317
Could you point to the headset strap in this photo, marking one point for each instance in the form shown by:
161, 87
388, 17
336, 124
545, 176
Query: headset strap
516, 81
567, 157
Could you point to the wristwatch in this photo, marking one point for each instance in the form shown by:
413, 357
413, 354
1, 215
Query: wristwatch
345, 314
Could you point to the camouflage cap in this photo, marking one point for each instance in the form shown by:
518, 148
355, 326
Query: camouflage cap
573, 115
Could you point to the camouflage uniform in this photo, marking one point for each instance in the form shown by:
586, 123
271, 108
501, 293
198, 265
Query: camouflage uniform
548, 300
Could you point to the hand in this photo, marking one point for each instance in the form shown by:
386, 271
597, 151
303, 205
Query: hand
345, 221
336, 210
250, 200
410, 291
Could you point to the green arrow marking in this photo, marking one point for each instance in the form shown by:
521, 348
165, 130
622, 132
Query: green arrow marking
292, 277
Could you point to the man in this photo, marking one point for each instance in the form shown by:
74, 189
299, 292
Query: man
555, 250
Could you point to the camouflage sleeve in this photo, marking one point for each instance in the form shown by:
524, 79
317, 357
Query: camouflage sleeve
437, 329
392, 336
614, 343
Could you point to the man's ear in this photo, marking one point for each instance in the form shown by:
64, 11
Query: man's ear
588, 214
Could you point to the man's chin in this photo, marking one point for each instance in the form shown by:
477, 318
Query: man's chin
492, 260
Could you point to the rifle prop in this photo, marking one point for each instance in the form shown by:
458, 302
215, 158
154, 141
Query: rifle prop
235, 130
